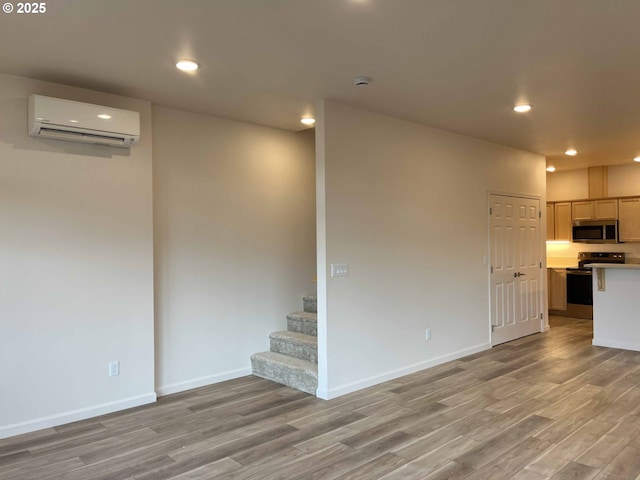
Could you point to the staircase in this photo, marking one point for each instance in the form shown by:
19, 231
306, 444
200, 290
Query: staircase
293, 359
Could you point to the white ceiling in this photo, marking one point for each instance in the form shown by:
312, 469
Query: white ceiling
459, 65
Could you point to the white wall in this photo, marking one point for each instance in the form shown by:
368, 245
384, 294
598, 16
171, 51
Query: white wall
234, 242
406, 208
76, 267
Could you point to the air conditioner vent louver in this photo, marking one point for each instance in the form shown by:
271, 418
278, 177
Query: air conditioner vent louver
81, 137
67, 120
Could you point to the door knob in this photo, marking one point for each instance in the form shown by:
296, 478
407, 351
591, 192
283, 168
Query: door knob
519, 274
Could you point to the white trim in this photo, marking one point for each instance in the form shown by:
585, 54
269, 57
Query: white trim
532, 196
75, 415
393, 374
604, 342
202, 381
321, 253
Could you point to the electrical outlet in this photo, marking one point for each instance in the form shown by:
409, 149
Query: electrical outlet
427, 334
114, 369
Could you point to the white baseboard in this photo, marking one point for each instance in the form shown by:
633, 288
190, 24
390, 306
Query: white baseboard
369, 382
604, 342
75, 415
202, 381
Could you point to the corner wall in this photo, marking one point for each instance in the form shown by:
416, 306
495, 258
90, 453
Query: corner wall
406, 206
76, 267
234, 242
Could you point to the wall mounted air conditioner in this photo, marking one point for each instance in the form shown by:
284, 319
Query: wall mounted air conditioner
82, 122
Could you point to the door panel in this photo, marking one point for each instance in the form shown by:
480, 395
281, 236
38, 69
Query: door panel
515, 259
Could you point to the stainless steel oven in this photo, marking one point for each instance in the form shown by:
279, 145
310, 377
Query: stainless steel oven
579, 286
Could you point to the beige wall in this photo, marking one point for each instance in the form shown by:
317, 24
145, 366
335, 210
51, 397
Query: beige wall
406, 206
76, 267
624, 180
234, 242
568, 185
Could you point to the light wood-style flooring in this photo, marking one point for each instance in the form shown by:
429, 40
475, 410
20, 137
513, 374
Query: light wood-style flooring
548, 406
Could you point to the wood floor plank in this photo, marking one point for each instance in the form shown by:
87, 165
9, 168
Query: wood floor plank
492, 449
557, 457
375, 468
44, 471
451, 471
576, 471
625, 465
436, 458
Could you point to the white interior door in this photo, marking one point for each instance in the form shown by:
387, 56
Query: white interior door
516, 268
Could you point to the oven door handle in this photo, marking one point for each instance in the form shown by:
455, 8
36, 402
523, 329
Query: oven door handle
579, 272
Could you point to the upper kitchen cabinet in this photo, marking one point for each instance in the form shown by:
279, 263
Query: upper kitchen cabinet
582, 210
562, 220
605, 209
551, 228
629, 215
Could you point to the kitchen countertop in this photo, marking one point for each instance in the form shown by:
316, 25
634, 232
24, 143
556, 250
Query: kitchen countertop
626, 266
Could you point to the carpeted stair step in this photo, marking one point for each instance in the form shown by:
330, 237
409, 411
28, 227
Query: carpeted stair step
303, 322
310, 303
293, 372
295, 344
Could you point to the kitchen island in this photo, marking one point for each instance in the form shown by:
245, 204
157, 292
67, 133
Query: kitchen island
616, 305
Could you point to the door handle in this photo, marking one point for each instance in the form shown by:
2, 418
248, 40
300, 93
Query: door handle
519, 274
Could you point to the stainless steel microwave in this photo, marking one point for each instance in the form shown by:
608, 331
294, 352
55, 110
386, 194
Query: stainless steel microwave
595, 231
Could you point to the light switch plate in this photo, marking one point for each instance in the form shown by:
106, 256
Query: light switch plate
339, 270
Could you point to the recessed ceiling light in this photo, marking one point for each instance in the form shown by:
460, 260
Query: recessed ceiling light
361, 81
187, 65
104, 116
636, 159
551, 169
308, 120
522, 108
73, 121
572, 152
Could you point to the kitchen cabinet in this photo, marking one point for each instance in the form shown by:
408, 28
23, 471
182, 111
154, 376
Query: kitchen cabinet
605, 209
557, 281
562, 220
629, 219
582, 210
551, 228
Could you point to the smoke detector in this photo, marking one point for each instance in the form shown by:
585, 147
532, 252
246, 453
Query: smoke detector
361, 81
